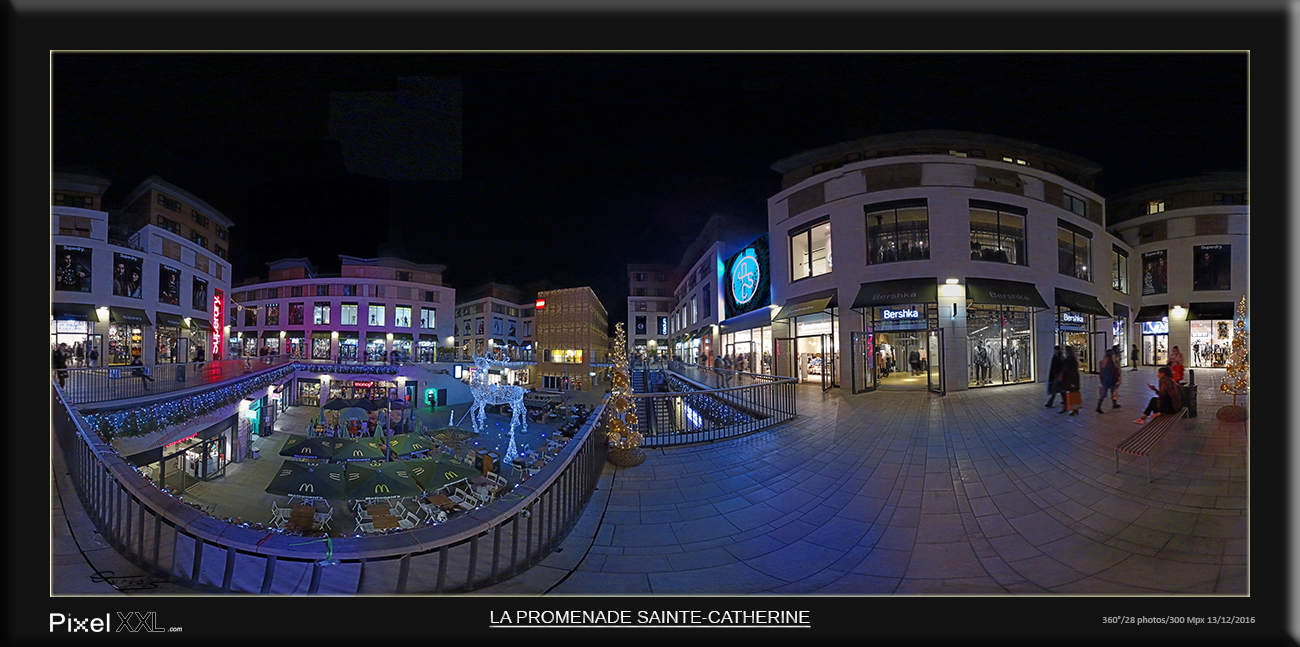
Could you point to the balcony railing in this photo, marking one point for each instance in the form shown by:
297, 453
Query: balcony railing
105, 384
183, 545
690, 414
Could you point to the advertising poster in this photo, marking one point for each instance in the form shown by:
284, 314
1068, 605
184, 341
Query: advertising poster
1212, 267
128, 274
1155, 273
640, 326
218, 312
169, 285
747, 283
72, 268
199, 294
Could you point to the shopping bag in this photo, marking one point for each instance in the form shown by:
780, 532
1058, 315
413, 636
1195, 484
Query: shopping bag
1073, 400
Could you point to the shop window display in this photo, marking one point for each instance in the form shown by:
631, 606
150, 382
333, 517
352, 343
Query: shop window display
374, 350
1000, 345
249, 347
348, 347
124, 344
320, 348
296, 347
1211, 343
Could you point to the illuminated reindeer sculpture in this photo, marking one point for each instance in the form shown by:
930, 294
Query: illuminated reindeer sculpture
485, 394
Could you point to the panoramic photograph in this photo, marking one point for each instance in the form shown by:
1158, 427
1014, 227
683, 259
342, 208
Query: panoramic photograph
650, 330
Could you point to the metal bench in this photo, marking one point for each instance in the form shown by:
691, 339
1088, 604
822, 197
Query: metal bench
1141, 441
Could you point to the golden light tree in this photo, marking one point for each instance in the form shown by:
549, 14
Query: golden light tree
1236, 375
621, 429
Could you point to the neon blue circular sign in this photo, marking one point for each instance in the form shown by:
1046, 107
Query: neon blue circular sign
744, 277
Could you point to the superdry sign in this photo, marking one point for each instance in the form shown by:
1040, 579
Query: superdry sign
218, 316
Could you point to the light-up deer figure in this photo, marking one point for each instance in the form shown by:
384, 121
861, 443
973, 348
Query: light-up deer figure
485, 394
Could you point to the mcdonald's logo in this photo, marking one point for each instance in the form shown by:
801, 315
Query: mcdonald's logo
381, 488
307, 487
449, 474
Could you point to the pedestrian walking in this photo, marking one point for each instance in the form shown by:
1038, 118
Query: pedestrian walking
1069, 381
145, 378
1167, 398
94, 356
1108, 372
1054, 376
1133, 358
61, 363
80, 353
1176, 364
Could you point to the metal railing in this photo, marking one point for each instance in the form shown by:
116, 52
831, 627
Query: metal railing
105, 384
693, 415
183, 545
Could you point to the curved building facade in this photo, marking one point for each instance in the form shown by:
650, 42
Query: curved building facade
941, 260
1191, 252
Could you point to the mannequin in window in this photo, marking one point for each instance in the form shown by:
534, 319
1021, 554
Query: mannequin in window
983, 365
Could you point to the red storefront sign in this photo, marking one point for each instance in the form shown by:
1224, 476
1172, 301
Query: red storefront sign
218, 316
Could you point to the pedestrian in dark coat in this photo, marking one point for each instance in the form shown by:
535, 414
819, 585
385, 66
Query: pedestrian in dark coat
1108, 373
1069, 379
61, 363
1054, 376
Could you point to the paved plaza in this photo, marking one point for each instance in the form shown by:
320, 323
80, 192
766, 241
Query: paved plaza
897, 493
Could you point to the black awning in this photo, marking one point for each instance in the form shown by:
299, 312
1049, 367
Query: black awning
1007, 293
169, 320
900, 292
495, 342
403, 335
1151, 313
1079, 302
430, 338
270, 333
1211, 310
74, 312
200, 324
316, 334
129, 316
1121, 310
807, 304
349, 334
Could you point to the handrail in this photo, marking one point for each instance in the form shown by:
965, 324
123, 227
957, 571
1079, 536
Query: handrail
674, 418
167, 537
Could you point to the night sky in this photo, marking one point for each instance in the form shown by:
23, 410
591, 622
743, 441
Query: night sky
566, 167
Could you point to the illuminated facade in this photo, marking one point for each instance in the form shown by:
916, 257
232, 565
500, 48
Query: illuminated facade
374, 310
139, 283
572, 335
649, 307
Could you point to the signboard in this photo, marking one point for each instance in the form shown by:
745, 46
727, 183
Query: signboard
1155, 273
169, 285
900, 313
218, 316
663, 325
1071, 317
1212, 267
199, 294
363, 385
72, 268
1155, 327
747, 282
541, 303
128, 275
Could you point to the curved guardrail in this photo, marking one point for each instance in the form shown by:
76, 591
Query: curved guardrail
176, 542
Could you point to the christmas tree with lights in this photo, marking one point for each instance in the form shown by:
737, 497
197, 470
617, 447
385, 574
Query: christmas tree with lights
621, 429
1236, 375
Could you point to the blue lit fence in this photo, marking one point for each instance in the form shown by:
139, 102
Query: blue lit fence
689, 414
184, 545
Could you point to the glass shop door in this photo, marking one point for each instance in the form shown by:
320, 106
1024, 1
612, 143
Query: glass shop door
863, 363
934, 373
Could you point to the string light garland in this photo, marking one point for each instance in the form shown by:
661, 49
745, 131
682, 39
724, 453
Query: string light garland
621, 427
1236, 374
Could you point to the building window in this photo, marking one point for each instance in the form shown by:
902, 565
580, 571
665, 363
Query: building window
638, 292
1015, 160
659, 278
376, 314
169, 225
640, 306
431, 296
695, 310
272, 314
528, 329
810, 251
1073, 251
250, 317
273, 293
897, 231
706, 311
638, 276
322, 290
321, 313
1230, 198
221, 233
350, 290
168, 203
349, 315
1074, 204
1157, 206
199, 239
1119, 270
403, 276
295, 314
402, 316
64, 200
295, 290
199, 218
428, 318
997, 233
221, 253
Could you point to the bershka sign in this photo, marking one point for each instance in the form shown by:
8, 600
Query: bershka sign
1008, 296
877, 298
133, 622
905, 313
1071, 317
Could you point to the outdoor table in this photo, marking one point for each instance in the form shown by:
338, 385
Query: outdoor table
491, 485
381, 516
302, 517
442, 501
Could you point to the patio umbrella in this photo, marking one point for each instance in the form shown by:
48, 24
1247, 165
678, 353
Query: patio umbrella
337, 404
317, 447
363, 403
392, 479
432, 474
323, 481
352, 413
408, 444
354, 450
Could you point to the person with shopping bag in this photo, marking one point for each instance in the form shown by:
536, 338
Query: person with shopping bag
1054, 377
1069, 383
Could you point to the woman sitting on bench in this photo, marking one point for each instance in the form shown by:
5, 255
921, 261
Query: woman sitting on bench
1167, 398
